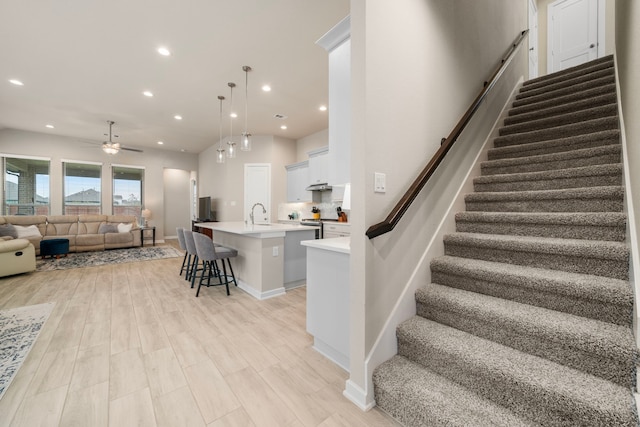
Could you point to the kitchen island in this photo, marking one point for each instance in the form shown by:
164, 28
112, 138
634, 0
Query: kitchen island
270, 258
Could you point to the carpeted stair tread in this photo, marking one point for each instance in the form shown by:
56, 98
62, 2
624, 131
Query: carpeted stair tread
560, 84
591, 199
563, 131
578, 90
557, 110
416, 396
533, 387
571, 72
522, 107
579, 157
599, 348
585, 176
596, 297
561, 119
600, 258
557, 145
574, 225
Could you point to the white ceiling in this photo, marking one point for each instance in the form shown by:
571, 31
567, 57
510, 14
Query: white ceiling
84, 62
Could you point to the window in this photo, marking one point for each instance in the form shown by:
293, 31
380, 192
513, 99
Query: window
26, 186
127, 190
82, 185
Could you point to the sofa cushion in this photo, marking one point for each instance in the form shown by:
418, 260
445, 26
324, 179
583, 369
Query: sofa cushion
90, 224
124, 228
8, 230
28, 231
38, 220
62, 225
107, 228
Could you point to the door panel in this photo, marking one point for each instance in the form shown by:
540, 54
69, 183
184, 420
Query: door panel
573, 33
257, 189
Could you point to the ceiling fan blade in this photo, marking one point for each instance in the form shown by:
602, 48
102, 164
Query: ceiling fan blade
132, 149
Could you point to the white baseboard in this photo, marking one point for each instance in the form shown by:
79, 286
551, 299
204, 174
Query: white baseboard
358, 396
331, 353
260, 295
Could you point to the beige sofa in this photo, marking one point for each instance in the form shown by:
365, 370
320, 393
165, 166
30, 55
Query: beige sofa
16, 256
85, 232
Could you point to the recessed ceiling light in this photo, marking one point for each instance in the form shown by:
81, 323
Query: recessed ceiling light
322, 108
234, 115
164, 51
147, 93
49, 126
16, 82
283, 127
160, 142
266, 88
177, 117
183, 150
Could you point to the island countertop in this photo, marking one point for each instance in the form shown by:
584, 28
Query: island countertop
256, 230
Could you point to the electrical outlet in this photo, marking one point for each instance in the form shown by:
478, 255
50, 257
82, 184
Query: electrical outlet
275, 251
380, 182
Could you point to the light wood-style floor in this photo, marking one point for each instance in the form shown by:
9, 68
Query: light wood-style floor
129, 344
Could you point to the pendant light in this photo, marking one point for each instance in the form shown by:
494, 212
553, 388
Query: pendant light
220, 156
231, 146
245, 142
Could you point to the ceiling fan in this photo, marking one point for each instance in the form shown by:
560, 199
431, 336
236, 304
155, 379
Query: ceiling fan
111, 147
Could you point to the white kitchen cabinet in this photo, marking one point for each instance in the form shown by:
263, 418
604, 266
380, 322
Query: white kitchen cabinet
319, 166
297, 181
337, 42
335, 229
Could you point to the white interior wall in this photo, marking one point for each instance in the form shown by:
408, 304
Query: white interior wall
311, 142
57, 148
225, 182
177, 207
416, 67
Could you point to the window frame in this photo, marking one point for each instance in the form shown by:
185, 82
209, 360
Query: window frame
33, 208
66, 162
136, 209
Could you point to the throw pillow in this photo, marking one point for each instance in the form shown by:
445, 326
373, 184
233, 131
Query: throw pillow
107, 228
124, 228
26, 232
8, 230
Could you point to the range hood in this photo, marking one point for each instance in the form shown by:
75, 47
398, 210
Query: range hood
319, 187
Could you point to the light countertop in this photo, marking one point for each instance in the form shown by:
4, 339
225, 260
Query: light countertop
257, 230
337, 244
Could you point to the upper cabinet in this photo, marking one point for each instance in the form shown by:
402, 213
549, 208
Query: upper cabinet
338, 43
297, 181
319, 166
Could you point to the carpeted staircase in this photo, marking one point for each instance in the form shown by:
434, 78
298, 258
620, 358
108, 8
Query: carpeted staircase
528, 319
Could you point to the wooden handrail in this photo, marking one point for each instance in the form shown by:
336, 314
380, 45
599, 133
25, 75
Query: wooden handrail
405, 202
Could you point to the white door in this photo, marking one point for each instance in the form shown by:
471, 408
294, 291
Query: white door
533, 39
257, 189
573, 33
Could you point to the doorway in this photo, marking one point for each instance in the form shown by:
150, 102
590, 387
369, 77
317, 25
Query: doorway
257, 189
572, 33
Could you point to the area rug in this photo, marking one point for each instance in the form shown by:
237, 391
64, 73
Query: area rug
19, 328
111, 256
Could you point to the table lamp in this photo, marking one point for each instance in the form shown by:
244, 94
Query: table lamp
146, 214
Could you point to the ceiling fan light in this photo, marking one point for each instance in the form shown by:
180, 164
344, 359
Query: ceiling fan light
110, 148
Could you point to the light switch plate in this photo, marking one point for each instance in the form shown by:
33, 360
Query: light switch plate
380, 182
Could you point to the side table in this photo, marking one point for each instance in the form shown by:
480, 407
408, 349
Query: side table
143, 237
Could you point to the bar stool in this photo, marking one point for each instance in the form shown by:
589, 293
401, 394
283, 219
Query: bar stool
186, 262
191, 249
209, 253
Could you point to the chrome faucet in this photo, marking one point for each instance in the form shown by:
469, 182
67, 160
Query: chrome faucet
264, 210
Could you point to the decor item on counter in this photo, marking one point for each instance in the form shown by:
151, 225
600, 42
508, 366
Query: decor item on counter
245, 143
231, 146
146, 214
113, 256
19, 329
342, 217
315, 213
220, 156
